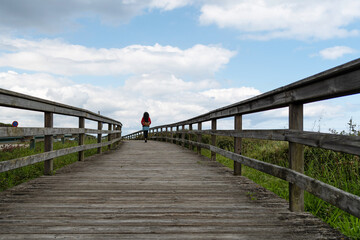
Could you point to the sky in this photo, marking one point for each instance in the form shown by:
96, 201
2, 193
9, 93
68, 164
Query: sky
176, 59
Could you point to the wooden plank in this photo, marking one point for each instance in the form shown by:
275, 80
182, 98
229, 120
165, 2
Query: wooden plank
41, 157
178, 195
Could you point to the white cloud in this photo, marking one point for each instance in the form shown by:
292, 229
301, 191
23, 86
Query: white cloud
305, 19
169, 4
167, 98
336, 52
58, 57
230, 95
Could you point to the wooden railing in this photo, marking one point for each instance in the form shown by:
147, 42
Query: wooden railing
16, 100
340, 81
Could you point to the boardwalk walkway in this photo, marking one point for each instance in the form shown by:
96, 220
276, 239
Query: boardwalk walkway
150, 191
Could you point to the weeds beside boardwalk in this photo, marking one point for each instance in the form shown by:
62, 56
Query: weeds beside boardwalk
17, 176
338, 169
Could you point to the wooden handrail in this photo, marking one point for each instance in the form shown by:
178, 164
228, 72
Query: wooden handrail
340, 81
12, 99
17, 100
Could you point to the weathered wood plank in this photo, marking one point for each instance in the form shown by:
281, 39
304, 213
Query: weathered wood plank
178, 195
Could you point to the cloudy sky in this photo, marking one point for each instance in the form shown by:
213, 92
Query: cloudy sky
175, 59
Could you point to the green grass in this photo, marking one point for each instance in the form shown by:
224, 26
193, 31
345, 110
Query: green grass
338, 169
17, 176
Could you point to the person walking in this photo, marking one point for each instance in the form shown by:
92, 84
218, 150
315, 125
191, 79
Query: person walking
145, 122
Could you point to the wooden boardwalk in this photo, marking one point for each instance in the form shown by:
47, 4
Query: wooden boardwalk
150, 191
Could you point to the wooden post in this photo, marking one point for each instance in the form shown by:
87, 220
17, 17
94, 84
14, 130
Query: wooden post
172, 135
199, 138
183, 135
177, 135
166, 134
120, 129
81, 138
99, 136
33, 143
116, 135
190, 145
162, 135
48, 143
213, 139
296, 155
109, 134
237, 143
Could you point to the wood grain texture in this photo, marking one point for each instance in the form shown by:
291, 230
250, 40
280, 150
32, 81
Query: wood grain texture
296, 158
151, 190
